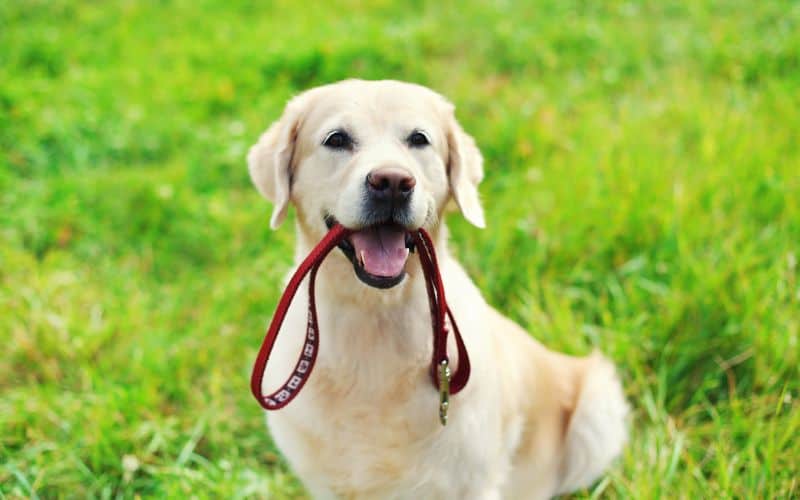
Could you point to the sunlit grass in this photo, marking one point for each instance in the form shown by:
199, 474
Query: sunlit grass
642, 192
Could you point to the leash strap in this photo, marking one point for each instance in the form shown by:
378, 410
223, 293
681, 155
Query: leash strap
440, 372
308, 356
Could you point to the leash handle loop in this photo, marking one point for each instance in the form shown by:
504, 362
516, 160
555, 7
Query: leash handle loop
308, 355
305, 364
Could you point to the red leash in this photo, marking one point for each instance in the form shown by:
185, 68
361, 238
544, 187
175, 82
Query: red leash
440, 363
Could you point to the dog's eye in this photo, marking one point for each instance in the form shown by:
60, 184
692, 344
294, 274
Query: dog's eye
338, 140
417, 139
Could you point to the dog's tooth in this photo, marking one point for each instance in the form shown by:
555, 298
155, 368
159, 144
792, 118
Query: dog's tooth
362, 257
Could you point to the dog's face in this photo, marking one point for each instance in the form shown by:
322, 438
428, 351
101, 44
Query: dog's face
382, 158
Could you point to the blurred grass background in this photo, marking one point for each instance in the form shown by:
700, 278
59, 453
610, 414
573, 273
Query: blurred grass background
643, 174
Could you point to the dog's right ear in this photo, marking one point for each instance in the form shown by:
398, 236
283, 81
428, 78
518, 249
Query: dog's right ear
465, 169
270, 159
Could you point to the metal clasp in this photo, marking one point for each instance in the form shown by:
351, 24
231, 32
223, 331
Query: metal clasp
444, 390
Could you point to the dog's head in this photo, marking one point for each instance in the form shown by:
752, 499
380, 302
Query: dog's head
380, 157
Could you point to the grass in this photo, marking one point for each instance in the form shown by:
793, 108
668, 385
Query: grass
643, 171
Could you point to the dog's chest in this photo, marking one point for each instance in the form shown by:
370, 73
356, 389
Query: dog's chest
360, 450
369, 427
366, 424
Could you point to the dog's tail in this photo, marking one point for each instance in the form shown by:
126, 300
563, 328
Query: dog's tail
598, 427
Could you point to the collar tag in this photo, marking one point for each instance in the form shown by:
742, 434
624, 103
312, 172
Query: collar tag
444, 390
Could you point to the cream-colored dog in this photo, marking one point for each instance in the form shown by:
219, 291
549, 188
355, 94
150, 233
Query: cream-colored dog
382, 158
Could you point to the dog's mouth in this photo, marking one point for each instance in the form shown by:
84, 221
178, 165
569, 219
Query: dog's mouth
378, 252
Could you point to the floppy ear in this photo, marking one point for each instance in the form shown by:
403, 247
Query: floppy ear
270, 160
465, 169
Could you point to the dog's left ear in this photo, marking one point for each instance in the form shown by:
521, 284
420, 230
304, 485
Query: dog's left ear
465, 170
270, 159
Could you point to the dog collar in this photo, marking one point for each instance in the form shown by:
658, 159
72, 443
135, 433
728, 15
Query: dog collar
440, 364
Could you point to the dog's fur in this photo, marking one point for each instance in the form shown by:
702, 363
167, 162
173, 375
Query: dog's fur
531, 423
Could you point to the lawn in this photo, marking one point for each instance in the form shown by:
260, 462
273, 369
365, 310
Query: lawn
642, 193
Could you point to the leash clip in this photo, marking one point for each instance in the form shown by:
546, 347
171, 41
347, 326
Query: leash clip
444, 390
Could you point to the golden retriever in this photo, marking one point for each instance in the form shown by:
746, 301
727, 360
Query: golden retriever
384, 158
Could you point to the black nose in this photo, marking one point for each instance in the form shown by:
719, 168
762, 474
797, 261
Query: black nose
390, 184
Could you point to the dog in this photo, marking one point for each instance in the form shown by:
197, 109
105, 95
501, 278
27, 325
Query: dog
384, 158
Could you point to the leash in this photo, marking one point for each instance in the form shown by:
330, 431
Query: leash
443, 380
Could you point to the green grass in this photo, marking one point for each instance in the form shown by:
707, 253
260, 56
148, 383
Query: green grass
643, 175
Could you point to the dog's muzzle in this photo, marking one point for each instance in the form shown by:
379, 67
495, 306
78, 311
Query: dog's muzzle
380, 246
388, 195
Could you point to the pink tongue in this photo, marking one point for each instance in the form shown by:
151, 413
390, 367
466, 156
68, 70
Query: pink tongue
382, 250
